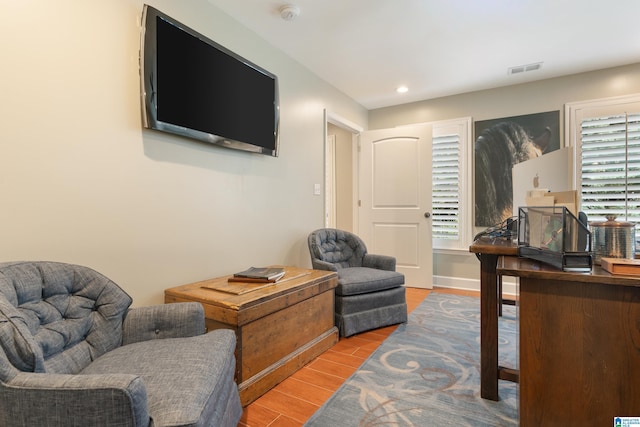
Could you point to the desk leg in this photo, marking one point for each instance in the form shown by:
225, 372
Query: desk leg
499, 282
488, 327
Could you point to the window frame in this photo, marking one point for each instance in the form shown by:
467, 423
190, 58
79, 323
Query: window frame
576, 112
462, 128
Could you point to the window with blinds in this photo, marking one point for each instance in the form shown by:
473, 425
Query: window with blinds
610, 167
445, 209
451, 200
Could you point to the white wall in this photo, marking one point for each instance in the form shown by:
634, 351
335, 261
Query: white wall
82, 182
536, 97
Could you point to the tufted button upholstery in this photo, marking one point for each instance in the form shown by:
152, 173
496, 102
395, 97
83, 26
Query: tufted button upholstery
61, 316
74, 353
337, 247
370, 293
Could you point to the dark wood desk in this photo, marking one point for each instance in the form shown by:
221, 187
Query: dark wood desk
489, 250
579, 344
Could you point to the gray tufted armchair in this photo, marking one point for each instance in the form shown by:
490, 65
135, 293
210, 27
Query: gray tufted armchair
72, 353
370, 293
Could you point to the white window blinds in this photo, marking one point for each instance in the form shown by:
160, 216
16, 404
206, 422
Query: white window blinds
446, 187
610, 170
451, 171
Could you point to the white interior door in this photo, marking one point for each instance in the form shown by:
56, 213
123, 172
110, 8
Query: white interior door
395, 198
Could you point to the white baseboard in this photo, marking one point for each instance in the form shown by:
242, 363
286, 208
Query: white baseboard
509, 284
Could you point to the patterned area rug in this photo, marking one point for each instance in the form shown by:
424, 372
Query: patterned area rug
427, 373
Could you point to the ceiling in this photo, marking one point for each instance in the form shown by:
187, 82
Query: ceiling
367, 48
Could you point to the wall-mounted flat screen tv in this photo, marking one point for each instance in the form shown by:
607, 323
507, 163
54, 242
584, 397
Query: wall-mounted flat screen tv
194, 87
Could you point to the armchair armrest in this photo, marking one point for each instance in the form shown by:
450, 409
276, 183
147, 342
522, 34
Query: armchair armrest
323, 265
74, 400
176, 320
381, 262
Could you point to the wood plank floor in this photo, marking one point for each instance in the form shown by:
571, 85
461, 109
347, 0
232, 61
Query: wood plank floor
294, 400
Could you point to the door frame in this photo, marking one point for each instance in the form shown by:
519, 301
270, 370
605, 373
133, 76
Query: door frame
329, 165
330, 181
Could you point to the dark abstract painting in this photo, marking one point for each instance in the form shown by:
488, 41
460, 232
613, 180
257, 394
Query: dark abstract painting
500, 144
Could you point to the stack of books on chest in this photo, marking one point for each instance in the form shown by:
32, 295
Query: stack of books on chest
259, 275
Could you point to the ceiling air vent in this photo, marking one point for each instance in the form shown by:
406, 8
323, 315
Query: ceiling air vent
524, 68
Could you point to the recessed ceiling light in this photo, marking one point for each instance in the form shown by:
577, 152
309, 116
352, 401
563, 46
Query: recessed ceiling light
402, 89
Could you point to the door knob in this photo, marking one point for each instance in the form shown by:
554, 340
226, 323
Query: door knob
427, 214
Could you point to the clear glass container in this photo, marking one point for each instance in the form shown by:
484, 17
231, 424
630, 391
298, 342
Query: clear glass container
553, 235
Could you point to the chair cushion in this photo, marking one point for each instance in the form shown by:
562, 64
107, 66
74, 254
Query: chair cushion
187, 379
361, 280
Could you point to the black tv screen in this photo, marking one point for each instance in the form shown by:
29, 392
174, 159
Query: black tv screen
194, 87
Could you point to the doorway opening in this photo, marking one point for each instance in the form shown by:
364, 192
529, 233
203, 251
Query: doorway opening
341, 173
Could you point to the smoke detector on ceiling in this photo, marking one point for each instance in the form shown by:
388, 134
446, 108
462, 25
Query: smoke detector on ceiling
289, 12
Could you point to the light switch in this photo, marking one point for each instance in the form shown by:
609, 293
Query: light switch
316, 189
